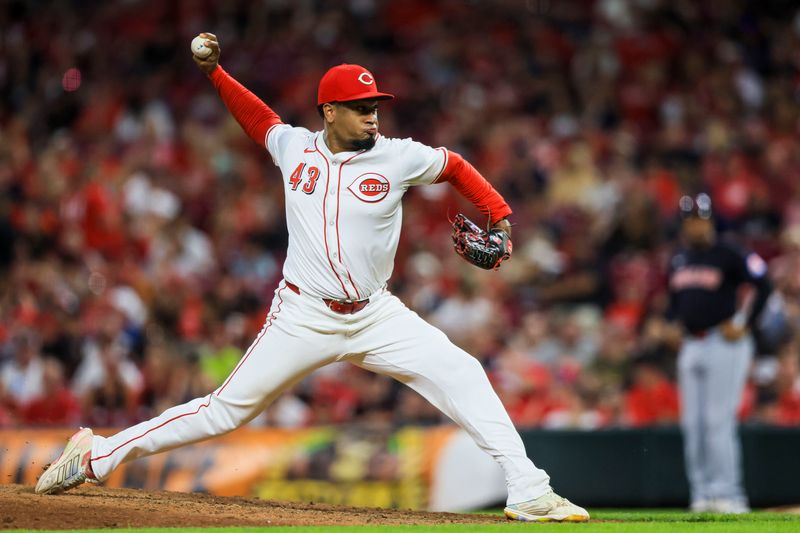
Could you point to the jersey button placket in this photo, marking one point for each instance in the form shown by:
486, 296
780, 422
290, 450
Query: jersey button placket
331, 214
341, 267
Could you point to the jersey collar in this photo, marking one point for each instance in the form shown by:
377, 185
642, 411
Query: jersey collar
322, 147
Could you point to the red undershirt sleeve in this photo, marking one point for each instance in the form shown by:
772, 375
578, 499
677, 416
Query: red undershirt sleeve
474, 187
255, 117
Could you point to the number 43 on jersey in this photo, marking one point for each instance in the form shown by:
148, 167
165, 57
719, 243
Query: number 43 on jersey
297, 177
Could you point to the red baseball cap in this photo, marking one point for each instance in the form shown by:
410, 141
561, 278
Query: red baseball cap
344, 83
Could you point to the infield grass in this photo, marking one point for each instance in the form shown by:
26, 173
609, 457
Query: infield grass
612, 521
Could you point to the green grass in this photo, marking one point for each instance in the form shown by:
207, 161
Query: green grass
612, 521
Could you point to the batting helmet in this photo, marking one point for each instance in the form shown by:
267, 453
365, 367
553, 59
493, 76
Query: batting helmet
699, 206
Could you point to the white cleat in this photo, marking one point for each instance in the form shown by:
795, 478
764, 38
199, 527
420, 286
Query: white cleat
703, 505
729, 506
72, 468
548, 508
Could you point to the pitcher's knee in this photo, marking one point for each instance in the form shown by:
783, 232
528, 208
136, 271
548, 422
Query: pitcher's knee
475, 368
468, 375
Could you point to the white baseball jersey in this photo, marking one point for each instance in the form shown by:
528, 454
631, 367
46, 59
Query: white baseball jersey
344, 211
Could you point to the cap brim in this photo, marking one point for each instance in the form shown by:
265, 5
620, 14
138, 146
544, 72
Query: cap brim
367, 96
694, 214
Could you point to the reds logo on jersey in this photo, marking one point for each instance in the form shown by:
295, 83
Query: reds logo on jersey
370, 187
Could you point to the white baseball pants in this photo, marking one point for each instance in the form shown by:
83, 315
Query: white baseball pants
302, 334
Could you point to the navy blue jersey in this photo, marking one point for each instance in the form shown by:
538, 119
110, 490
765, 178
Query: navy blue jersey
703, 285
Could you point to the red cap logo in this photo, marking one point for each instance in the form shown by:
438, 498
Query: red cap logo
344, 83
370, 187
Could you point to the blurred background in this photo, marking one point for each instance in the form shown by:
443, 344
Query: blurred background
142, 233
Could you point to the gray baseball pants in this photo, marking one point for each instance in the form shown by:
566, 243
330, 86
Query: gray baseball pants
711, 375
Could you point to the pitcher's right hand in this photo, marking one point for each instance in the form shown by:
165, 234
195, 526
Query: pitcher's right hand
208, 64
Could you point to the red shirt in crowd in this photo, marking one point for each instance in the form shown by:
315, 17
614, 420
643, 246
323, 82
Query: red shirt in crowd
58, 408
652, 403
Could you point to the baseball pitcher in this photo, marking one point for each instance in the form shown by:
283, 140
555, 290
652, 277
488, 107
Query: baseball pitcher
343, 187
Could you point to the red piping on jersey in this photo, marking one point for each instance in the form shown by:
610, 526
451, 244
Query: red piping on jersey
325, 217
254, 116
444, 164
266, 137
266, 327
474, 187
338, 239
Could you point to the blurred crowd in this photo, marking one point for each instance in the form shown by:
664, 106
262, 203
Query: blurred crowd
142, 233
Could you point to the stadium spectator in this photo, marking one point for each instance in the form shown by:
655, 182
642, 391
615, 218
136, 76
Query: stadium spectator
652, 400
57, 406
108, 383
23, 377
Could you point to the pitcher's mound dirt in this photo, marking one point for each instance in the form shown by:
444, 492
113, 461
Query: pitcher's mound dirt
97, 507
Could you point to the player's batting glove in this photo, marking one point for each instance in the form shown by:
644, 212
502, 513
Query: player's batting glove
484, 249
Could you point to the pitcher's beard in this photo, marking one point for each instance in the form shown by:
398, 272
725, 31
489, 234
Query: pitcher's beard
363, 144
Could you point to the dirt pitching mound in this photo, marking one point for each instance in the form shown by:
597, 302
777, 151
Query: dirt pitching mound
97, 507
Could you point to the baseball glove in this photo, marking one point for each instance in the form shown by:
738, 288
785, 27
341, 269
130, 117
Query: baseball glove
484, 249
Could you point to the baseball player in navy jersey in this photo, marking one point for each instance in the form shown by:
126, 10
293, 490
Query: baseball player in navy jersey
715, 356
343, 189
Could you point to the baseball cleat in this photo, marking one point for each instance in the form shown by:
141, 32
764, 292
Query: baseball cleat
729, 506
72, 468
703, 505
548, 508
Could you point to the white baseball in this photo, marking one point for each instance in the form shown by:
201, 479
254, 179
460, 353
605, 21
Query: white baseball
199, 48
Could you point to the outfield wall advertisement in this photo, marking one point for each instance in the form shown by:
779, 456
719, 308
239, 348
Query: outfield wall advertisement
408, 468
